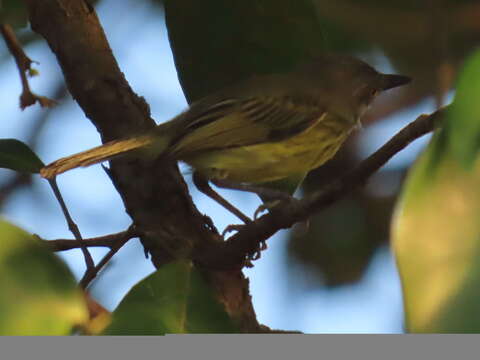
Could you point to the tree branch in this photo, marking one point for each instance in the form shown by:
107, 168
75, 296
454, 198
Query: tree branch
154, 192
72, 226
150, 190
100, 241
91, 273
24, 63
244, 245
22, 179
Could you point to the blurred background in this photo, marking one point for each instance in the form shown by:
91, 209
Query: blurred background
338, 275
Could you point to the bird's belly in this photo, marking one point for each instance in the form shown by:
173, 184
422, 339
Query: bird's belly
271, 161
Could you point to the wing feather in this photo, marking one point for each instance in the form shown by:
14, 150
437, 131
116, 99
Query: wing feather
243, 122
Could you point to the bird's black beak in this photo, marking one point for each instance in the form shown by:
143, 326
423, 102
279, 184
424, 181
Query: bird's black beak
391, 81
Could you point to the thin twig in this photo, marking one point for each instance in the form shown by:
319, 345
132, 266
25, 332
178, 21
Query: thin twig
34, 132
245, 244
91, 273
100, 241
71, 225
24, 63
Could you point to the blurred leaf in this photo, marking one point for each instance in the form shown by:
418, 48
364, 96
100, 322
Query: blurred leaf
17, 156
175, 299
39, 295
99, 317
342, 240
463, 118
426, 40
13, 12
228, 41
436, 231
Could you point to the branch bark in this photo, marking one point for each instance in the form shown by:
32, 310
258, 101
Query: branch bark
150, 190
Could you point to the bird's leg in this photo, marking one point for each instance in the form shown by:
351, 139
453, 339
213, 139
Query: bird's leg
202, 184
271, 197
263, 192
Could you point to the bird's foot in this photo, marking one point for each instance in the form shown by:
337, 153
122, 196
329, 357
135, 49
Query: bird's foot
270, 205
231, 228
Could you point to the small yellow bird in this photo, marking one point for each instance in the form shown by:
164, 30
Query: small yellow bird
269, 128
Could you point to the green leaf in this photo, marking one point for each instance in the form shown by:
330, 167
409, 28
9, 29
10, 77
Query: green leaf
13, 12
175, 299
436, 227
279, 34
16, 155
462, 126
39, 295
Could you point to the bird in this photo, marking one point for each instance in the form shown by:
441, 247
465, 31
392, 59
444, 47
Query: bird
270, 128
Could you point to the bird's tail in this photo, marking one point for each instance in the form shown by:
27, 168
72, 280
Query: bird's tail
96, 155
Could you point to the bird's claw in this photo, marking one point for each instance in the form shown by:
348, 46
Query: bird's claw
232, 227
270, 205
264, 207
256, 254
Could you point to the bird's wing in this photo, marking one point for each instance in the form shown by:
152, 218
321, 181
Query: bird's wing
242, 122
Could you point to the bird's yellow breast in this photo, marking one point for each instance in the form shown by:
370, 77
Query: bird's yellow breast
272, 161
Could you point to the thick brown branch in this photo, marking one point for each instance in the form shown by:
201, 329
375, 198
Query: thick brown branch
154, 193
247, 241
